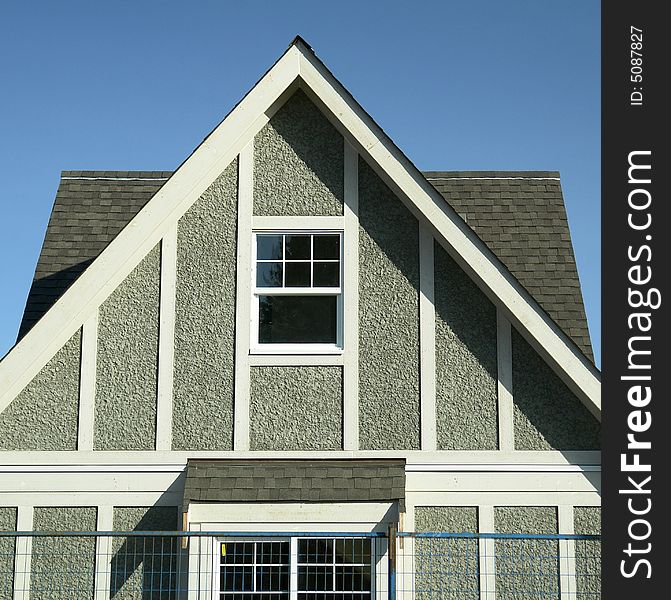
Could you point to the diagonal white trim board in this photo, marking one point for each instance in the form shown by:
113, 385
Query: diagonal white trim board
458, 239
146, 229
218, 150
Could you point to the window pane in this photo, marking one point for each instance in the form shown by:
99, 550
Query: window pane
327, 246
297, 247
272, 579
326, 274
297, 319
353, 551
352, 579
315, 550
269, 247
237, 553
272, 553
298, 274
269, 274
315, 579
237, 579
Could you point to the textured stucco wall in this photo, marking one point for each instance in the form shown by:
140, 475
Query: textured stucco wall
466, 377
526, 569
7, 523
298, 162
547, 414
388, 318
143, 568
63, 568
296, 408
205, 319
587, 521
125, 407
447, 519
447, 567
44, 415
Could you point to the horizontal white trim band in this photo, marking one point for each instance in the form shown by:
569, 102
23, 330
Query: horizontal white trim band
508, 468
95, 468
438, 457
410, 468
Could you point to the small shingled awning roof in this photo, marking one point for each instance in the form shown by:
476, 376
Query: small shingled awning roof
375, 480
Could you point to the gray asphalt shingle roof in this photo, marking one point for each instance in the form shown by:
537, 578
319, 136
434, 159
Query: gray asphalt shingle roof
522, 219
375, 480
519, 215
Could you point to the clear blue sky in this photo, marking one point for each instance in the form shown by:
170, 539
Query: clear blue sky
458, 85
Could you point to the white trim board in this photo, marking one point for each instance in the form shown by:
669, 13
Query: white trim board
291, 512
13, 458
297, 64
91, 499
166, 339
410, 468
350, 356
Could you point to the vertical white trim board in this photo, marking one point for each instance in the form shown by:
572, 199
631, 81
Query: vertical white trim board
427, 339
567, 563
504, 364
351, 301
166, 339
243, 298
87, 383
105, 522
22, 553
487, 553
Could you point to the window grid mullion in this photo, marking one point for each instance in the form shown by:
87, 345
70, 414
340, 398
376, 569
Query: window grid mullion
284, 261
293, 568
334, 562
254, 570
312, 261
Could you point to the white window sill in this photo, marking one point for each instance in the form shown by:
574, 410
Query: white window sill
282, 349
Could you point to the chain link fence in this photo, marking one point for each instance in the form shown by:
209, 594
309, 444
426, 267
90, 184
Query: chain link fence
297, 566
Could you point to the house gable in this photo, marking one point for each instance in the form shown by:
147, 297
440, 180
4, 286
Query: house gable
389, 400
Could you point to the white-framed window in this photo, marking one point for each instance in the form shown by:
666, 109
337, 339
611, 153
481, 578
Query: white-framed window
254, 569
297, 299
296, 568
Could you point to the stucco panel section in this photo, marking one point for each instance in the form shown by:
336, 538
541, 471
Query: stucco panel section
144, 567
466, 377
446, 519
438, 557
63, 568
44, 415
298, 162
296, 408
7, 523
125, 406
388, 318
205, 319
548, 416
526, 569
587, 521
